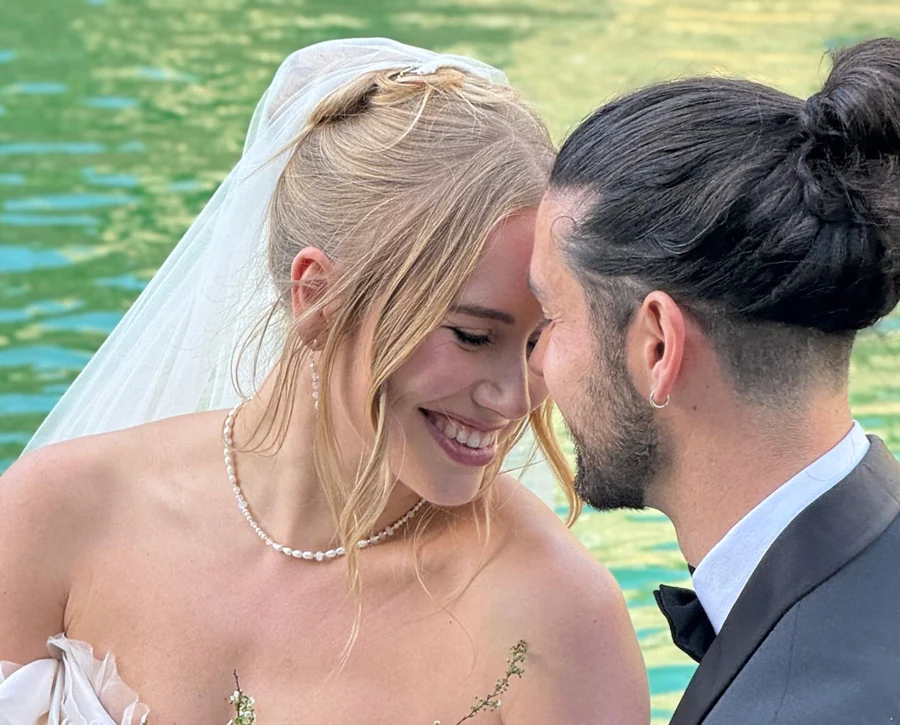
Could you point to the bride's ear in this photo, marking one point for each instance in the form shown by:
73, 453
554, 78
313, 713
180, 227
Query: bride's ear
311, 276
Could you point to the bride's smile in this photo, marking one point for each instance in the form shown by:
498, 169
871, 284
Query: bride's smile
463, 393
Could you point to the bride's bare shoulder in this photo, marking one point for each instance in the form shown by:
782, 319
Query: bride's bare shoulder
62, 482
64, 503
552, 592
55, 502
537, 548
82, 483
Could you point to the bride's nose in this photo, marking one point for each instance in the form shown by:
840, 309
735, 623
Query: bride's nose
506, 390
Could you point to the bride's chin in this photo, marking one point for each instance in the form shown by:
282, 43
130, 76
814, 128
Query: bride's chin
450, 497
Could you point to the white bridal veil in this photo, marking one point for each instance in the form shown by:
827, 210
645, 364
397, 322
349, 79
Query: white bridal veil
173, 352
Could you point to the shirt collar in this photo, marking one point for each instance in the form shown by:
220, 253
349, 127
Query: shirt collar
722, 574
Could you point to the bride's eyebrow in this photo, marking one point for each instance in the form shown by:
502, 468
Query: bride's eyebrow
485, 313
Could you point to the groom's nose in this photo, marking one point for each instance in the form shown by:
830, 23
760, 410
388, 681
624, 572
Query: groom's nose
536, 358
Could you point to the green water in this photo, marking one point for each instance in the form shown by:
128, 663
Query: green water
118, 120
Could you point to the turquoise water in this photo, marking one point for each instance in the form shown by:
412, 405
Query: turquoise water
119, 119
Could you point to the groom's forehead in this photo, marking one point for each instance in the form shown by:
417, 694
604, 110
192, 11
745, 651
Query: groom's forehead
554, 222
556, 216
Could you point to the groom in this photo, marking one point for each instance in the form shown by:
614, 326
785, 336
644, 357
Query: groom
706, 253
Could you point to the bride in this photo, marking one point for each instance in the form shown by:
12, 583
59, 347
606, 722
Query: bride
286, 458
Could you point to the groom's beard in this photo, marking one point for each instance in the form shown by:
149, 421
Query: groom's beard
620, 458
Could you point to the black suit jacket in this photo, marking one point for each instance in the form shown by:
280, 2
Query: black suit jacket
815, 635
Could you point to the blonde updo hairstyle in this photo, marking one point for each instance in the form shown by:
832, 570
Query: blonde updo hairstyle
399, 178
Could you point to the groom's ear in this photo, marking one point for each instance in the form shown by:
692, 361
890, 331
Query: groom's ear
311, 276
659, 331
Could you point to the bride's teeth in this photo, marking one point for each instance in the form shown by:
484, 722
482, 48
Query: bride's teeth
466, 436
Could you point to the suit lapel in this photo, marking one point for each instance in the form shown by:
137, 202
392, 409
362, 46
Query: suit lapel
826, 535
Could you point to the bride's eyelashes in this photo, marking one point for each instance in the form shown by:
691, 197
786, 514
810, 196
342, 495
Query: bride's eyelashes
467, 338
475, 341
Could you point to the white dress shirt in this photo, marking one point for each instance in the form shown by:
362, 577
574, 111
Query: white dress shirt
723, 573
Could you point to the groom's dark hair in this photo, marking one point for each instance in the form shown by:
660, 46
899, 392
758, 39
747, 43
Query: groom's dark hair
773, 221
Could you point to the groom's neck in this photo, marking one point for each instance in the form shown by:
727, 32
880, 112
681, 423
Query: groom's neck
725, 465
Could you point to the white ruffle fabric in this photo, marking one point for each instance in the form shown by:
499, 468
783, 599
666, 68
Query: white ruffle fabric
70, 687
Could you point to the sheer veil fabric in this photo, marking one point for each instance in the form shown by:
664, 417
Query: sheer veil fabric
174, 351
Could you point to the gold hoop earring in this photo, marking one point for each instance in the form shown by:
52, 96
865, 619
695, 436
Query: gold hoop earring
658, 406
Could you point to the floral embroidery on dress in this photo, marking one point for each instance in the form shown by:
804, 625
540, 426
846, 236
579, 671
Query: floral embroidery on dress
245, 713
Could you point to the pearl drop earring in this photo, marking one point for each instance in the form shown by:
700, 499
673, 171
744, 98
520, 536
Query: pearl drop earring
315, 378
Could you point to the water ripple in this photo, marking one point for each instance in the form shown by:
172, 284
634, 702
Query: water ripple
25, 148
18, 404
86, 322
44, 357
163, 74
36, 89
67, 202
94, 178
25, 259
48, 307
115, 103
48, 220
126, 282
16, 438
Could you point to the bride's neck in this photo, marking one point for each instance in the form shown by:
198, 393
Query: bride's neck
281, 483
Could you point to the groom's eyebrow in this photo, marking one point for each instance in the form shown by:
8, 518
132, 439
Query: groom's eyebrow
485, 313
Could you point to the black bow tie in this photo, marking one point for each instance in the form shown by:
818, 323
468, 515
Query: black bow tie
691, 629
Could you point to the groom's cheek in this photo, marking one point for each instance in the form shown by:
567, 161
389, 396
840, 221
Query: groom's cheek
574, 364
537, 391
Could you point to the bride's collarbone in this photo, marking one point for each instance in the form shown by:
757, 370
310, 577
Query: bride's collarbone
409, 657
229, 596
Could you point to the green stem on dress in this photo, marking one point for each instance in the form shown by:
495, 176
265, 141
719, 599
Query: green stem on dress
246, 714
492, 701
243, 705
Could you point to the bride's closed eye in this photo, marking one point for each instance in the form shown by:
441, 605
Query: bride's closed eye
467, 338
474, 340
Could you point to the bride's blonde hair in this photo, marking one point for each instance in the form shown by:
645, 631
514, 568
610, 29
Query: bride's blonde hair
399, 178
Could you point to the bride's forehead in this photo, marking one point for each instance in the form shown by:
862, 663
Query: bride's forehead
501, 278
507, 251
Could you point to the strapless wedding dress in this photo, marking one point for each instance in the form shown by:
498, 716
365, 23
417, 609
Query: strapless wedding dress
70, 687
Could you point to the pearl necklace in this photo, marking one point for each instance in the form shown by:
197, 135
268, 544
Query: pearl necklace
288, 551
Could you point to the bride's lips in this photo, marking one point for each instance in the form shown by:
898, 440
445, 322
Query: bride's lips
457, 451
